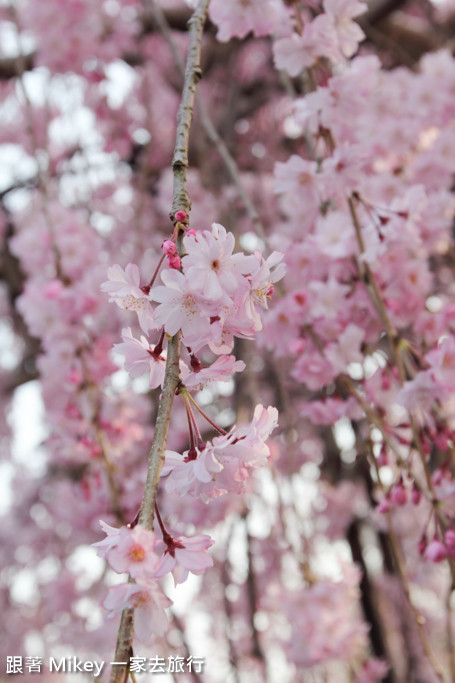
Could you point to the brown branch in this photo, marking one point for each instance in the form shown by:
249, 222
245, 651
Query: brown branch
156, 456
180, 201
193, 73
252, 594
211, 132
368, 600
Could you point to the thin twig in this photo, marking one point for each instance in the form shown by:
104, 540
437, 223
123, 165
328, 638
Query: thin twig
208, 126
193, 73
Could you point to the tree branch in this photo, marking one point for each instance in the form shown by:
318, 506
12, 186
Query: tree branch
193, 73
160, 19
181, 201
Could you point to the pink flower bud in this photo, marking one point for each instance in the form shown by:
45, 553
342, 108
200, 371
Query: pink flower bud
441, 441
384, 505
398, 494
435, 551
74, 377
437, 476
174, 261
300, 298
383, 458
422, 544
393, 305
180, 216
385, 382
416, 495
296, 346
169, 247
426, 446
53, 289
449, 538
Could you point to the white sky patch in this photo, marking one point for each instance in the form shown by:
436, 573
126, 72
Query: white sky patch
27, 423
433, 304
16, 166
249, 241
9, 39
121, 80
291, 128
344, 434
10, 348
86, 565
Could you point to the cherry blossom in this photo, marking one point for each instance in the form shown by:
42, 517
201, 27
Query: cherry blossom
141, 357
212, 270
183, 555
149, 603
124, 288
131, 551
220, 370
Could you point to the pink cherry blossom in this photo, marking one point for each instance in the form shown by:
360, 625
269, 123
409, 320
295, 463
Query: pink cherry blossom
221, 370
298, 178
435, 551
223, 464
179, 308
149, 603
140, 358
183, 555
239, 17
123, 286
133, 552
318, 39
212, 270
341, 13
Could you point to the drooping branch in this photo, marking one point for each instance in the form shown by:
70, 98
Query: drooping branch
180, 201
210, 130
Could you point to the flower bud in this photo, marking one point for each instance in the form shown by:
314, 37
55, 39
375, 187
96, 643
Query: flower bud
169, 247
416, 495
398, 494
449, 539
435, 551
384, 505
174, 261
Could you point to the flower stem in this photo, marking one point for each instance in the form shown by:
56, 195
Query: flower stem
209, 420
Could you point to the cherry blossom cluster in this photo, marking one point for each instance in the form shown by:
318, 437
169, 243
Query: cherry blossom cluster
216, 296
213, 299
145, 557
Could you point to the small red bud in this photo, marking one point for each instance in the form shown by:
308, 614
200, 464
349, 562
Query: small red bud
435, 551
174, 261
399, 495
385, 382
384, 505
449, 538
169, 247
383, 458
196, 364
416, 495
180, 216
422, 544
